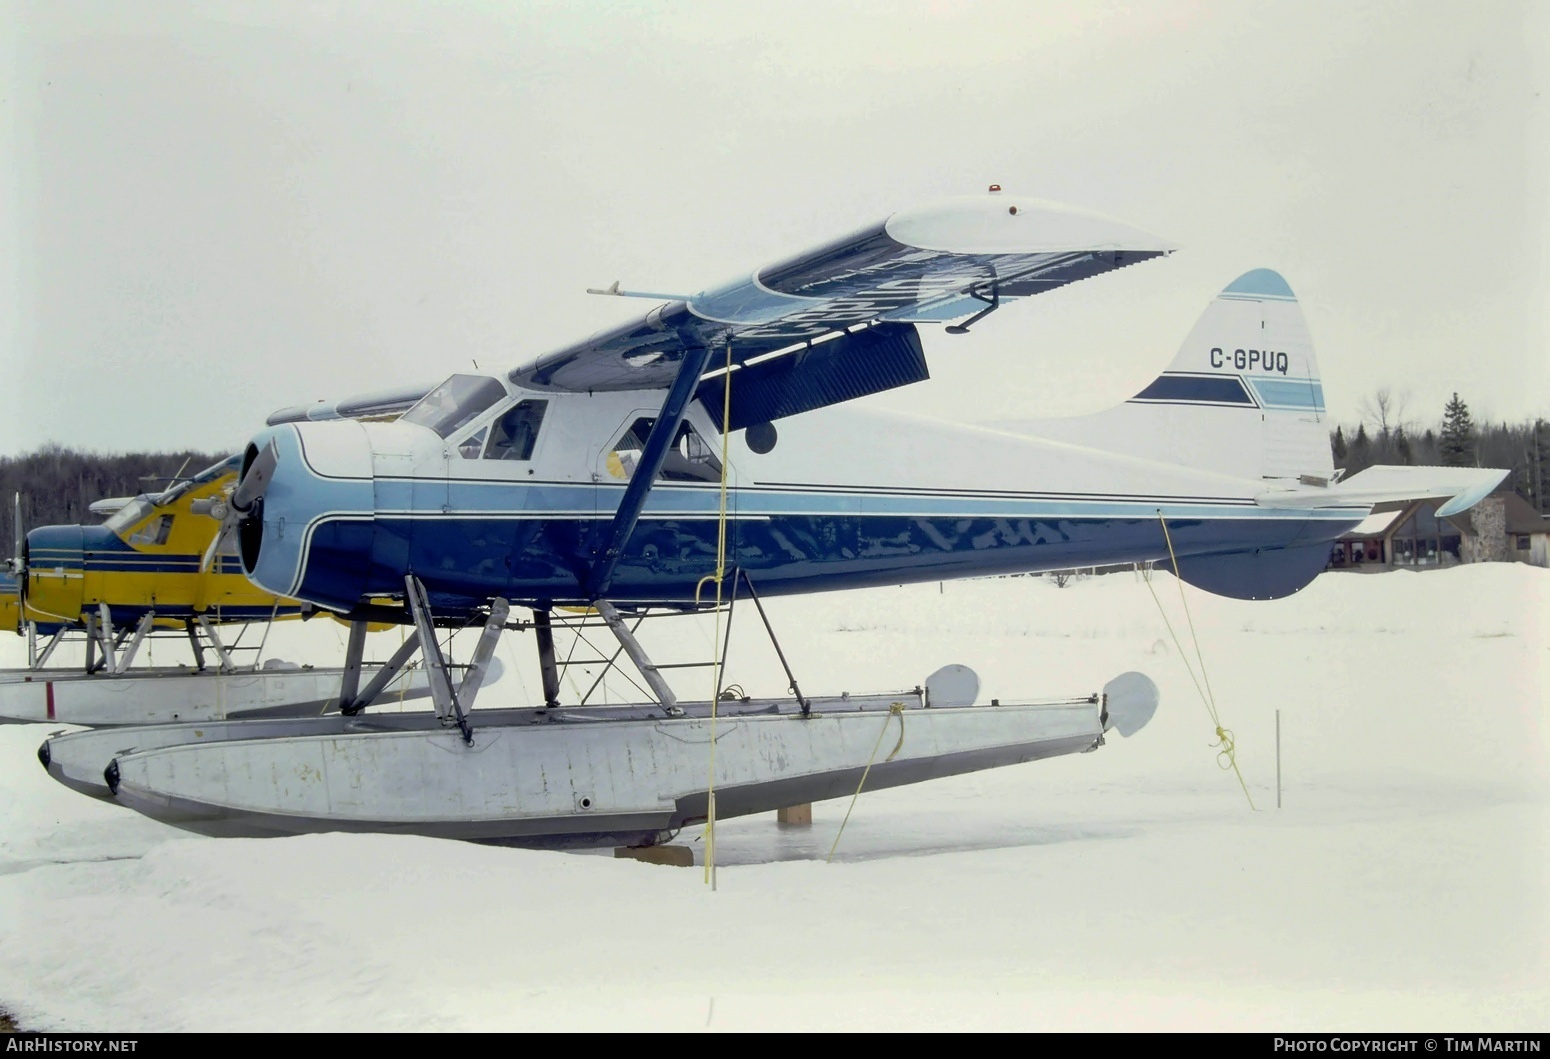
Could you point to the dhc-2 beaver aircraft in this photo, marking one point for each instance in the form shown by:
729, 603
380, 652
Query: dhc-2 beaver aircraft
608, 473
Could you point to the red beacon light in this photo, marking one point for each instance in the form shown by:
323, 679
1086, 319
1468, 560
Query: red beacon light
995, 188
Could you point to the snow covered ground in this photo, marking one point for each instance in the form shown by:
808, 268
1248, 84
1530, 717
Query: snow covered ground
1403, 886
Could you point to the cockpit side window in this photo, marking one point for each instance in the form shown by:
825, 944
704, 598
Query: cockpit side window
690, 459
515, 432
455, 403
470, 447
153, 532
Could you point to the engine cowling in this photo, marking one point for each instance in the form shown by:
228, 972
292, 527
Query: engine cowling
310, 534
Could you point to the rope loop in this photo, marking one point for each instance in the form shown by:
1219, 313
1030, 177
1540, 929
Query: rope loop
1227, 749
1226, 757
894, 710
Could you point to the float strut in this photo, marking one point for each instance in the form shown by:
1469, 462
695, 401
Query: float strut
442, 692
140, 631
105, 634
473, 680
193, 639
350, 683
215, 643
638, 655
551, 673
384, 676
53, 642
92, 663
807, 706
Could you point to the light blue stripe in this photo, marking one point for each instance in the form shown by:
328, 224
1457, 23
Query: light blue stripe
1288, 393
1261, 282
948, 310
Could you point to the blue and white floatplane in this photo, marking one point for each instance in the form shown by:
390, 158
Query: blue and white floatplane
706, 452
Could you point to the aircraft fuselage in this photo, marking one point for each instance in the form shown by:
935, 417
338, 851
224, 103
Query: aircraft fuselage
843, 498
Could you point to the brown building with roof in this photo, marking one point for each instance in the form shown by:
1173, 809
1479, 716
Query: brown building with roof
1501, 528
1504, 528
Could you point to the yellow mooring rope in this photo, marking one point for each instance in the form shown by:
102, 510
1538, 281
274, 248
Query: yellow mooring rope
1227, 753
895, 709
717, 659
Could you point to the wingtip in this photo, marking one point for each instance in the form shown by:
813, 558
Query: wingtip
1000, 223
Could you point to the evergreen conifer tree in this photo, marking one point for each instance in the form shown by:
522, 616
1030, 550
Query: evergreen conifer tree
1337, 445
1456, 446
1539, 448
1359, 457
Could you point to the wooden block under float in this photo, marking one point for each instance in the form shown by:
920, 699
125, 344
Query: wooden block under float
672, 856
797, 815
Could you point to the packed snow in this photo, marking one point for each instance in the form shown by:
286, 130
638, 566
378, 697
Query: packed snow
1402, 885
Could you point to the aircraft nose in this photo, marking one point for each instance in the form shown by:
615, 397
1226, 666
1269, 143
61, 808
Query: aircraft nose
54, 574
307, 489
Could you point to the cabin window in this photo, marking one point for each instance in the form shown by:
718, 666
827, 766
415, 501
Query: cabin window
455, 403
470, 447
690, 459
1523, 542
153, 532
515, 433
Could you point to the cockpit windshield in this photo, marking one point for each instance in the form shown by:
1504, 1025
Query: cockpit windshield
455, 403
129, 514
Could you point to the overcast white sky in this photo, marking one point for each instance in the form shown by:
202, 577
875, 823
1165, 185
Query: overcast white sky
215, 209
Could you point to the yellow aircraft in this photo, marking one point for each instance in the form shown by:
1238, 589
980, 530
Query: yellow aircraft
163, 560
159, 561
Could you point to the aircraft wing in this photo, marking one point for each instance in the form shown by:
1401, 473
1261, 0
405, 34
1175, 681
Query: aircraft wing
935, 263
379, 404
1466, 486
109, 505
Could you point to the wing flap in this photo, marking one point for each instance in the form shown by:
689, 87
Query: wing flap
854, 365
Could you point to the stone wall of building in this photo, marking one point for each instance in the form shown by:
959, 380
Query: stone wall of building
1490, 521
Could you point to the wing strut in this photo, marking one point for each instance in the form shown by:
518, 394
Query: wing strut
657, 444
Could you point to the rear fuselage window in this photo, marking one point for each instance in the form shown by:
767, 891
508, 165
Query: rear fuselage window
515, 432
690, 459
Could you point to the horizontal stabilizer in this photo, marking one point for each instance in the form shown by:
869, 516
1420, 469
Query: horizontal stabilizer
1466, 486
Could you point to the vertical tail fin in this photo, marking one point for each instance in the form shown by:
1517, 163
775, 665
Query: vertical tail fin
1249, 361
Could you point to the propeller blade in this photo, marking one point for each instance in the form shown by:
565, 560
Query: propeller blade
17, 543
256, 480
215, 547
